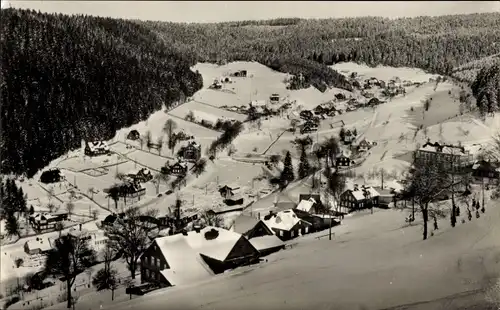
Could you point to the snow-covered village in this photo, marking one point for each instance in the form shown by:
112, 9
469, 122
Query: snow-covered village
259, 187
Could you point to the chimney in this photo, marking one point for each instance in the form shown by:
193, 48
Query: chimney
80, 227
258, 215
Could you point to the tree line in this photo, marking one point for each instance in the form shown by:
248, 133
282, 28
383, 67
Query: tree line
437, 44
68, 78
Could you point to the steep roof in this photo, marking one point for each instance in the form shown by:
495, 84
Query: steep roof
284, 220
306, 205
243, 223
186, 266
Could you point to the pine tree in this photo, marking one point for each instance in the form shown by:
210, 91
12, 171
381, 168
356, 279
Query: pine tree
304, 166
287, 175
12, 226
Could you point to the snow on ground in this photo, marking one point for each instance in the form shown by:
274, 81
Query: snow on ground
384, 73
207, 112
385, 263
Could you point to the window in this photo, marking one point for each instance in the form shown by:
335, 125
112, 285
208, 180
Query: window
281, 233
156, 262
292, 233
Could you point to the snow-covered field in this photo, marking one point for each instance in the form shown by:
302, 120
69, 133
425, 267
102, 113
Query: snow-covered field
384, 72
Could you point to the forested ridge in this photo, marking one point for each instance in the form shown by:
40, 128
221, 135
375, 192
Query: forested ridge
436, 44
67, 78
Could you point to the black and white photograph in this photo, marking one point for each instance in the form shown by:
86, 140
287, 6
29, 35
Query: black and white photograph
226, 155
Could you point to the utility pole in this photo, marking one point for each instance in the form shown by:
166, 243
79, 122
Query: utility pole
482, 190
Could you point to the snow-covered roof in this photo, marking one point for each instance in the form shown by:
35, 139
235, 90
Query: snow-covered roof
358, 194
244, 223
98, 145
372, 192
284, 220
41, 217
217, 248
306, 205
42, 243
266, 242
186, 266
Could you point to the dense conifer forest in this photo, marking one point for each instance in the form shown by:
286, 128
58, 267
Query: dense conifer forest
67, 78
486, 89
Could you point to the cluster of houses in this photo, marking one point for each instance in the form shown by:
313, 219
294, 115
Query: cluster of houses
189, 153
199, 254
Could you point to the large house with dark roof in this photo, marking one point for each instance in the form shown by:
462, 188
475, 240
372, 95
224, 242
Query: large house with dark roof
194, 256
455, 158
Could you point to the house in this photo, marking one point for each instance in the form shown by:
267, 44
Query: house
343, 159
308, 127
53, 175
96, 148
226, 192
109, 220
306, 114
225, 79
250, 227
348, 137
133, 135
317, 205
40, 245
45, 221
286, 224
191, 152
179, 169
194, 256
240, 73
142, 175
340, 96
486, 171
364, 146
454, 158
359, 198
307, 205
374, 102
318, 110
274, 98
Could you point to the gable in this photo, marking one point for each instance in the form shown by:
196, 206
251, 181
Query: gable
242, 248
259, 230
155, 251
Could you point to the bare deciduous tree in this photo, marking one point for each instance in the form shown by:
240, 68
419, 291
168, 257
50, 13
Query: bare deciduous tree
208, 218
129, 235
70, 207
426, 181
70, 257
